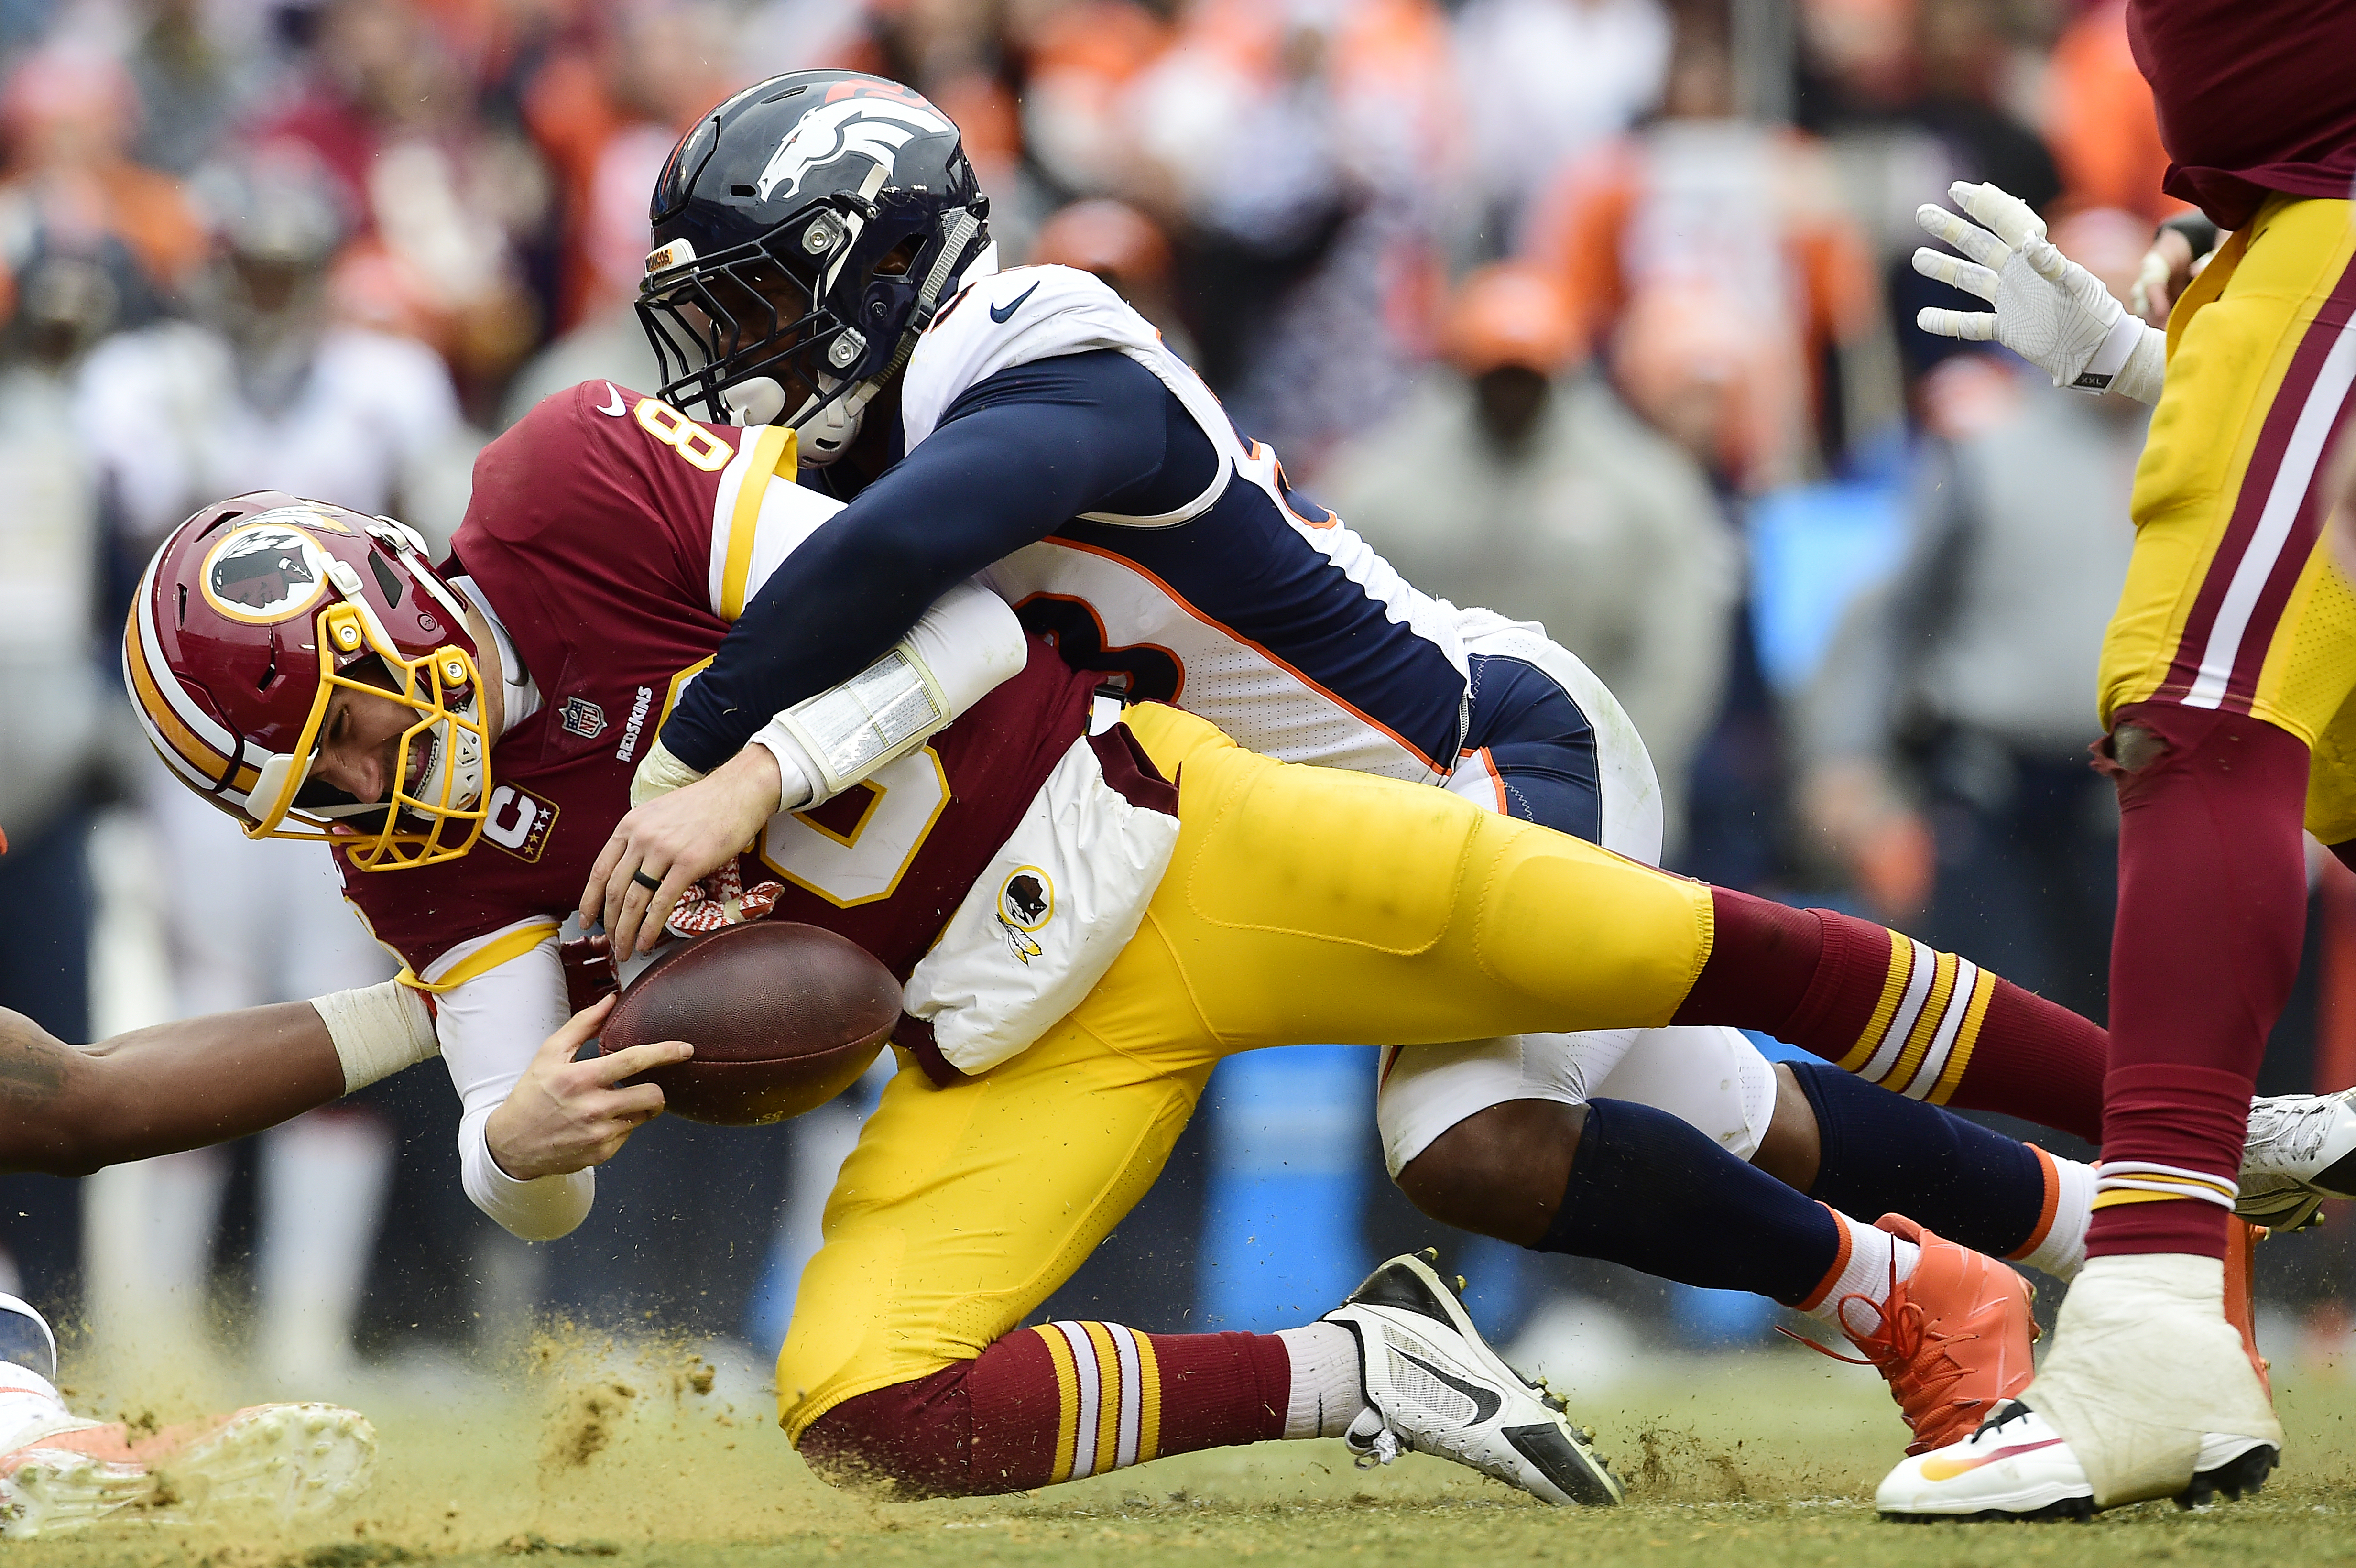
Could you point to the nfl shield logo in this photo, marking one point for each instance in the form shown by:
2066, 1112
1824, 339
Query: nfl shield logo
584, 718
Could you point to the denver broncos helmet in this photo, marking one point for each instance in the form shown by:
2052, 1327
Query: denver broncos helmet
806, 232
249, 617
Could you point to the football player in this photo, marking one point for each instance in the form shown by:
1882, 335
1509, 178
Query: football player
59, 1472
2225, 678
1076, 956
822, 256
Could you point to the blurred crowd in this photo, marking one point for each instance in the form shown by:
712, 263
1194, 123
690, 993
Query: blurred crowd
1593, 312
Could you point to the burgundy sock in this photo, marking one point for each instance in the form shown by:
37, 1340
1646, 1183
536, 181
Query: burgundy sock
1882, 1006
1055, 1404
2213, 907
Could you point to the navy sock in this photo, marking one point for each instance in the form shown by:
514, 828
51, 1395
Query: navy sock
1886, 1154
1656, 1193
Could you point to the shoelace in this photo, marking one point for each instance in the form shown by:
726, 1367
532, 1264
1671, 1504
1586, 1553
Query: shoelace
2292, 1133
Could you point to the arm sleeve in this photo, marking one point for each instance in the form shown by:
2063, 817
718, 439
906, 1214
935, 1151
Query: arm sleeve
490, 1027
1015, 457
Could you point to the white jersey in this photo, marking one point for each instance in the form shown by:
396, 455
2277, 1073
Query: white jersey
1265, 615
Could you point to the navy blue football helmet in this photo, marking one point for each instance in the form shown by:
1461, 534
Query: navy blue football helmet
806, 232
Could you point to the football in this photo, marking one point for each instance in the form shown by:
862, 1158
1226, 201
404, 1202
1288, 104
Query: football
783, 1018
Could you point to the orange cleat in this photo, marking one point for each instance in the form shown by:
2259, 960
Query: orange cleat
1952, 1339
2241, 1245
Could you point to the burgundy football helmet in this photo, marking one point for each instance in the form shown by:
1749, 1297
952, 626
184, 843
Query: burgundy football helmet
251, 616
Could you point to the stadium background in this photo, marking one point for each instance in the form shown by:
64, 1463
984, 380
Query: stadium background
1592, 311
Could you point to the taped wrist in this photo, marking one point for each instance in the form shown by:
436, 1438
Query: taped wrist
876, 716
377, 1030
2146, 370
661, 773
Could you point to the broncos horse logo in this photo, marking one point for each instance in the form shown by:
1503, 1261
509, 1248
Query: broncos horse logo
874, 128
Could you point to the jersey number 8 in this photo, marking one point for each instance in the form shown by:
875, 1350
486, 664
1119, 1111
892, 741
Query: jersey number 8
683, 435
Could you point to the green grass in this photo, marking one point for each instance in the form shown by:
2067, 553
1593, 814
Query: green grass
1759, 1461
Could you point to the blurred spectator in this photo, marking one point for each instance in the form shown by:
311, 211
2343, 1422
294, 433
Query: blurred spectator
1083, 59
1310, 145
1702, 202
1128, 250
267, 391
190, 84
1954, 710
1543, 81
1512, 481
2100, 120
439, 192
53, 703
606, 116
68, 117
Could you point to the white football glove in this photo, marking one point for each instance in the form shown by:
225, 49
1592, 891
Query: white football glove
2049, 310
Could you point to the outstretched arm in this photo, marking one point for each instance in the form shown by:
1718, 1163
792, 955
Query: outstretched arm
1014, 458
66, 1111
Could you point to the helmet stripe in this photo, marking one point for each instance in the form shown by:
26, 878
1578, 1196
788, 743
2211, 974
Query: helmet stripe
164, 725
204, 726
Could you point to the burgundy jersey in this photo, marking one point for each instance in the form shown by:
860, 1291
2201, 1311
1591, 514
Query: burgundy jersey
601, 533
2255, 96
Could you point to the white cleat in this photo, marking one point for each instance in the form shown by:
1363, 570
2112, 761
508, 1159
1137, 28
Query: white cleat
2017, 1467
2300, 1150
1433, 1386
288, 1459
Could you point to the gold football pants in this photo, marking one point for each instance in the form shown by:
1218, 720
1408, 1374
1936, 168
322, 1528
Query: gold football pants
1303, 903
2231, 601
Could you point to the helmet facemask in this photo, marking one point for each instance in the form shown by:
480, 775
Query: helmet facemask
258, 615
818, 315
437, 816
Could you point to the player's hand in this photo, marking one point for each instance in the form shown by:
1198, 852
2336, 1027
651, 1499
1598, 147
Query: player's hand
565, 1115
2049, 310
2165, 271
676, 839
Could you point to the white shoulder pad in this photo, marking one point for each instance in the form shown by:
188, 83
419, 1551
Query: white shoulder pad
1013, 318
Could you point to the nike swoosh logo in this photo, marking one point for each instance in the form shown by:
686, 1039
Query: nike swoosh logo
1485, 1402
613, 408
1948, 1469
1005, 312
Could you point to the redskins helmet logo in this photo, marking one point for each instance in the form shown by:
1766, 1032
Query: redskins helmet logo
265, 569
875, 128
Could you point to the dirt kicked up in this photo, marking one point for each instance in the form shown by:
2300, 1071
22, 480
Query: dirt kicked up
649, 1455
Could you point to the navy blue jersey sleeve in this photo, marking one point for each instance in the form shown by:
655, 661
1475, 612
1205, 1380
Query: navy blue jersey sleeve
1014, 458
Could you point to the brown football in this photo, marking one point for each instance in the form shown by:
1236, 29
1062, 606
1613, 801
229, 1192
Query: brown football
783, 1018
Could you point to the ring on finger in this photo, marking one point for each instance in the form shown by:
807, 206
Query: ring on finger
652, 884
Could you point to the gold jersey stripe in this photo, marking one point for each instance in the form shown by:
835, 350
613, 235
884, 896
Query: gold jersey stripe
775, 452
482, 961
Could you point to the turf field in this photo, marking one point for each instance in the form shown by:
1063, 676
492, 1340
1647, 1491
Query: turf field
1762, 1460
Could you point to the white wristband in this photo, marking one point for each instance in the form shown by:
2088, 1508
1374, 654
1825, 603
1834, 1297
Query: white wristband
377, 1030
2117, 347
795, 766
